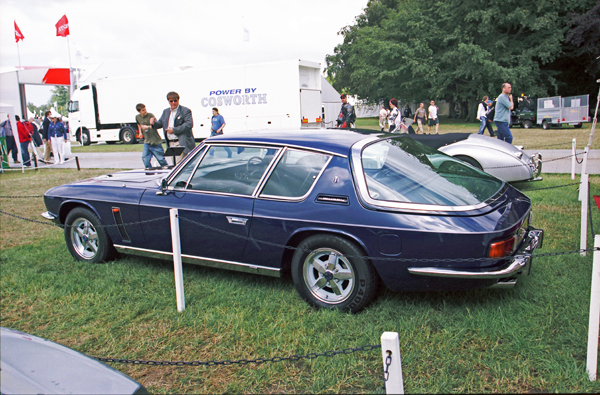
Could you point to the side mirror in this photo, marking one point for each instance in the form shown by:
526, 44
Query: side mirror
163, 187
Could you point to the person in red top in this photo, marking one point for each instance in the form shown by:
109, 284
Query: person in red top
24, 140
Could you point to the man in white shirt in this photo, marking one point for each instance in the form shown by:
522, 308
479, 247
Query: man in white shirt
433, 118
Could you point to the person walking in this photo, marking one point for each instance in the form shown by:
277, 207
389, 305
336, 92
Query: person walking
394, 118
482, 114
46, 138
217, 124
420, 118
152, 140
383, 115
24, 140
491, 110
347, 115
11, 144
433, 117
504, 104
177, 121
57, 133
407, 112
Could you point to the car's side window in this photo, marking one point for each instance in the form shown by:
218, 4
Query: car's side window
180, 180
295, 174
231, 169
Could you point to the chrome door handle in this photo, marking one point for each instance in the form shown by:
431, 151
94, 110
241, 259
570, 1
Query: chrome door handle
237, 221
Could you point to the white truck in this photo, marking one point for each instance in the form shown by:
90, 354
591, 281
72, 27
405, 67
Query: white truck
274, 95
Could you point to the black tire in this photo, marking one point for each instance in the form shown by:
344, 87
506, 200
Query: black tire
470, 161
86, 237
85, 135
527, 124
128, 136
545, 125
348, 283
578, 126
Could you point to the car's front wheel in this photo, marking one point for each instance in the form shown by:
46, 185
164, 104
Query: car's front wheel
331, 272
86, 237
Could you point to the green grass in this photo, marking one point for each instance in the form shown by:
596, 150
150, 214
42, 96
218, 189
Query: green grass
531, 338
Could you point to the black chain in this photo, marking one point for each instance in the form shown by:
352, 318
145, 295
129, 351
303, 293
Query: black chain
386, 373
257, 361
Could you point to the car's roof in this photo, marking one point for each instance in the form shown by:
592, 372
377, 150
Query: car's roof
337, 141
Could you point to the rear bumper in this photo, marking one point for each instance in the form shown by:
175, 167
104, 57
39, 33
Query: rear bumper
519, 263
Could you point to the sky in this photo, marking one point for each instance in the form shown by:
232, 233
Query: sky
133, 37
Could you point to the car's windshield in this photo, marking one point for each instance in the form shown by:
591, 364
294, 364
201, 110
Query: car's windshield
402, 170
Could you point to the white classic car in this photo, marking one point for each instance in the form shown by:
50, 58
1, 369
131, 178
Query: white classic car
496, 157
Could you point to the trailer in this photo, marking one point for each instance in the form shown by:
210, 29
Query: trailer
276, 95
556, 111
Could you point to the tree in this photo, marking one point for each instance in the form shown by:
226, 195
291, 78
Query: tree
60, 96
454, 50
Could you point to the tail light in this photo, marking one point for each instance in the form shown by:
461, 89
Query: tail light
502, 248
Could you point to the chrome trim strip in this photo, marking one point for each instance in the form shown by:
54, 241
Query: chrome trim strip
363, 190
49, 215
202, 261
279, 145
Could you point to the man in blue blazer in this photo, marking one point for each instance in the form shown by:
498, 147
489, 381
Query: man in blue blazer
177, 123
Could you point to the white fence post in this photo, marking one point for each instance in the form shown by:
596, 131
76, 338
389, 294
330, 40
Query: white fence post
583, 196
173, 213
594, 327
585, 160
573, 159
390, 346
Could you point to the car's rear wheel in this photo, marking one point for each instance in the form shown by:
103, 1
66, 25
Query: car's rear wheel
86, 237
528, 124
470, 161
331, 272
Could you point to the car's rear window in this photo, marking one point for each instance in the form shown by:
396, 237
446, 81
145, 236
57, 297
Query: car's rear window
402, 170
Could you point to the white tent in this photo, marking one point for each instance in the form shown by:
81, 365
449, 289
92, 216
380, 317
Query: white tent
331, 103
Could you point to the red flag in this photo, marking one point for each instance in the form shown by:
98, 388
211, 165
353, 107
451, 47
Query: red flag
18, 34
62, 27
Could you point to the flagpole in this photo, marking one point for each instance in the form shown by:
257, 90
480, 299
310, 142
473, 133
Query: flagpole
70, 70
19, 54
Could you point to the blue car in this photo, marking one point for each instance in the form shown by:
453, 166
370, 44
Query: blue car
343, 211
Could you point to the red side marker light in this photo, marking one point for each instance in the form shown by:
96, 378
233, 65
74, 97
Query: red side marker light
502, 248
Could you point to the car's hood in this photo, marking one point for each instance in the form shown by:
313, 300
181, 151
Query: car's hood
132, 178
